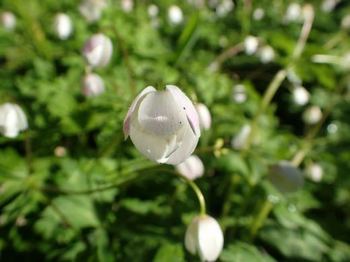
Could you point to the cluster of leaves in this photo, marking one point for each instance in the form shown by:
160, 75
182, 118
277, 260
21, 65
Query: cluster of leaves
103, 201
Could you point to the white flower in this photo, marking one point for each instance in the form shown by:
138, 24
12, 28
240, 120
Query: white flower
8, 20
191, 168
345, 22
258, 14
153, 10
267, 54
315, 172
328, 5
92, 85
175, 15
312, 115
60, 151
286, 177
300, 95
251, 44
205, 238
224, 7
204, 116
163, 125
12, 120
127, 5
239, 94
63, 26
98, 50
240, 139
91, 10
293, 13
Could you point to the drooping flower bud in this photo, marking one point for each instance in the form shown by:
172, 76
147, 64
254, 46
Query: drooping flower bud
300, 95
314, 172
293, 13
251, 44
92, 85
91, 10
204, 116
258, 14
98, 50
224, 7
163, 125
239, 141
63, 26
312, 115
8, 20
153, 10
191, 168
12, 120
266, 54
127, 5
345, 22
286, 177
60, 151
175, 15
328, 5
204, 237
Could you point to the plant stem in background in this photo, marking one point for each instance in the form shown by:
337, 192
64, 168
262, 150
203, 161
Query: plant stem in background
260, 218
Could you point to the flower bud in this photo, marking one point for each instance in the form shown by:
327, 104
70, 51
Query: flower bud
8, 20
315, 172
239, 141
127, 5
63, 26
293, 13
204, 116
239, 94
163, 125
312, 115
328, 5
205, 238
286, 177
345, 22
98, 50
153, 10
191, 168
175, 15
224, 7
258, 14
251, 44
300, 95
93, 85
266, 54
60, 151
91, 10
12, 120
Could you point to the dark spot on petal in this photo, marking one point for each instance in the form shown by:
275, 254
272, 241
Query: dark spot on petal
184, 108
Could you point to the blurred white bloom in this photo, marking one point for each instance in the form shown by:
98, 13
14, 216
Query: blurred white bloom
345, 22
12, 120
92, 85
153, 10
300, 95
204, 116
286, 177
205, 238
60, 151
127, 5
266, 54
328, 5
239, 94
315, 172
312, 115
293, 13
175, 15
163, 125
91, 10
98, 50
224, 7
258, 14
63, 26
8, 20
197, 3
332, 128
191, 168
239, 141
251, 44
21, 221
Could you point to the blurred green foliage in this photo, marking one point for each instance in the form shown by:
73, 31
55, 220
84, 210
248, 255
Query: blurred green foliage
103, 201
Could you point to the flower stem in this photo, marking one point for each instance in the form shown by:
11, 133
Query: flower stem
199, 195
259, 220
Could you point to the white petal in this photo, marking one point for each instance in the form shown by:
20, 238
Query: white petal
191, 168
137, 100
210, 239
204, 116
191, 236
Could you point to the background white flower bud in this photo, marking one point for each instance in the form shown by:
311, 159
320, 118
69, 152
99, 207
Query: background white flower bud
224, 7
251, 44
293, 13
258, 14
345, 22
63, 26
266, 54
286, 177
92, 85
328, 5
314, 172
205, 238
175, 15
239, 94
300, 95
312, 115
240, 139
8, 20
163, 125
191, 168
153, 10
91, 10
127, 5
204, 116
12, 120
98, 50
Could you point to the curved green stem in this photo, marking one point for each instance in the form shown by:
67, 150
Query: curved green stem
199, 195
